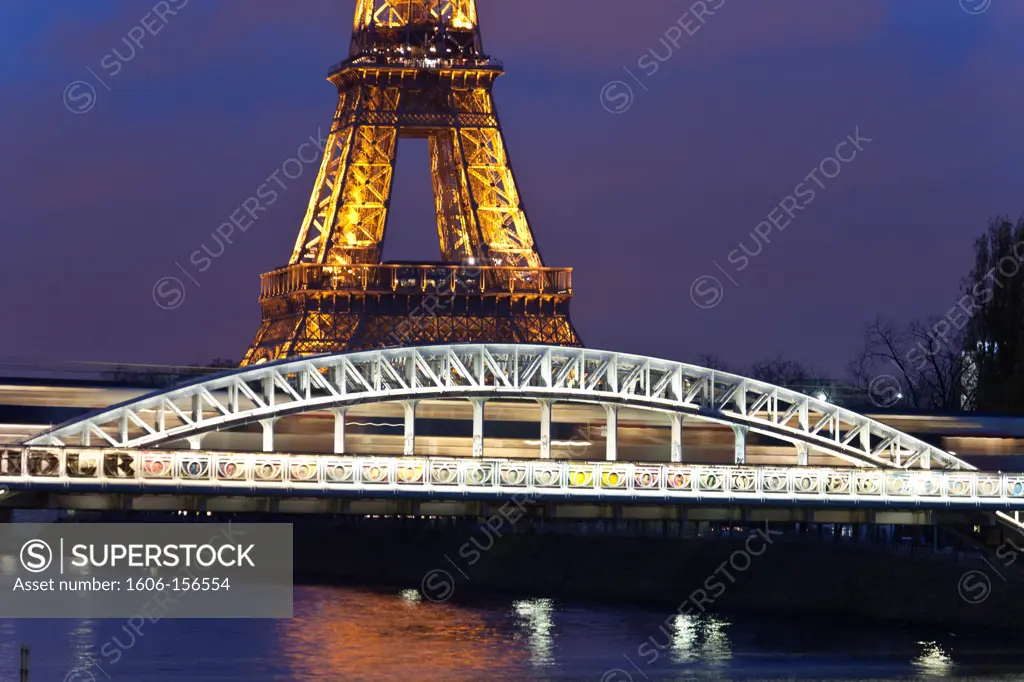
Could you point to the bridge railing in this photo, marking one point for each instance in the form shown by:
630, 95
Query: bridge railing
439, 279
232, 472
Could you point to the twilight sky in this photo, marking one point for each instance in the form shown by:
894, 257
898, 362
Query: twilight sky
646, 204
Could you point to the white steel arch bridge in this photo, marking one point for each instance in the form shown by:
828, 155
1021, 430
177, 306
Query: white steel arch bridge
136, 446
476, 372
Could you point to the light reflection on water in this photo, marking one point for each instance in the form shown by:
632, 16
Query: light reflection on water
684, 638
933, 661
82, 639
9, 647
535, 617
355, 634
369, 635
710, 641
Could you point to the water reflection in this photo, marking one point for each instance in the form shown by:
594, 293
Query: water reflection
410, 596
360, 635
933, 661
701, 638
716, 648
535, 616
684, 639
343, 634
9, 649
82, 641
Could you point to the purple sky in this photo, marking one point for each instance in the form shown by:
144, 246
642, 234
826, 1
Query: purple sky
101, 205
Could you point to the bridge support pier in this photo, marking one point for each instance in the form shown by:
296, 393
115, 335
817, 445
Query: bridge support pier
801, 454
410, 427
268, 434
478, 426
545, 429
195, 442
339, 430
740, 444
677, 436
611, 450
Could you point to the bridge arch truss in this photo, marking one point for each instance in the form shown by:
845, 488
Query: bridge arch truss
477, 372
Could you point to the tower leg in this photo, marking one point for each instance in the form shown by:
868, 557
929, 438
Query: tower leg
335, 294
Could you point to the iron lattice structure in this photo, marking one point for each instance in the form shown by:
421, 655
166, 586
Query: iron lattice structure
416, 69
513, 372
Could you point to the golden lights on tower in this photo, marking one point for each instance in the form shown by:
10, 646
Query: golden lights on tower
416, 69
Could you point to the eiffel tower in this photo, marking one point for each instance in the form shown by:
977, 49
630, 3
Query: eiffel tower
416, 69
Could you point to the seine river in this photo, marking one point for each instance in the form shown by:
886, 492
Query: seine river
343, 633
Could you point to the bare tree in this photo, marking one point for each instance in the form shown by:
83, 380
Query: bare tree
919, 365
782, 371
158, 377
715, 362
